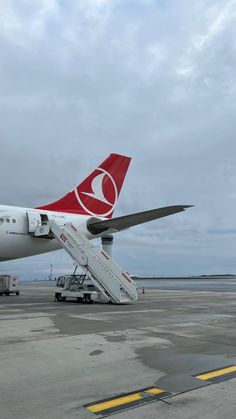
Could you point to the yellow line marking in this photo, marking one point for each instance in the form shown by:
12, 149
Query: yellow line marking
217, 373
116, 402
122, 400
154, 390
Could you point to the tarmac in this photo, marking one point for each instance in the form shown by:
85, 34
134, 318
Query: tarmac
171, 354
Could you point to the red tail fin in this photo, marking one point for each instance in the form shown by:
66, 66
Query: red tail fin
98, 193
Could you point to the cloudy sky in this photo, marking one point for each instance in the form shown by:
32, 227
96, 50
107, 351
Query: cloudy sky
151, 79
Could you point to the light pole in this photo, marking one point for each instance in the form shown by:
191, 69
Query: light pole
50, 275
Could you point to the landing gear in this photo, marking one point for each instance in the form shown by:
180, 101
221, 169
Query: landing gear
107, 242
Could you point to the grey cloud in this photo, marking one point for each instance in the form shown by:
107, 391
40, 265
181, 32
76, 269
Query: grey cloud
151, 79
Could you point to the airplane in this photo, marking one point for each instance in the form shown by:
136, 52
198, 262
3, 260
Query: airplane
89, 207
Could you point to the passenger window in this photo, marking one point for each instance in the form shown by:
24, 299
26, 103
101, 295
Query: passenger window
13, 220
8, 220
1, 220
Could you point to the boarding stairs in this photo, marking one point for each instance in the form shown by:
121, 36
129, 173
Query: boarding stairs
115, 285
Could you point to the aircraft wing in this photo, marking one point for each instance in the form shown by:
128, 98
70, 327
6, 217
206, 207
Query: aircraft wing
126, 221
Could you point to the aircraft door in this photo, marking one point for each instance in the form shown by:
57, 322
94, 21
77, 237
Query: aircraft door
34, 219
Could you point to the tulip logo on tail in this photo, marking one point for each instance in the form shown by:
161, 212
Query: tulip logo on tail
98, 194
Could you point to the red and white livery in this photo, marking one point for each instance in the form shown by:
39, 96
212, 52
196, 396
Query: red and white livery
89, 207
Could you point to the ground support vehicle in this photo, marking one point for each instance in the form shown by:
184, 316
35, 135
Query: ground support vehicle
9, 285
114, 285
76, 287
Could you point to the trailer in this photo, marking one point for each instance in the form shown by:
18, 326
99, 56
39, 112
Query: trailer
77, 287
9, 285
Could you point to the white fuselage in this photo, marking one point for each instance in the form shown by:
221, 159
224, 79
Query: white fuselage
16, 239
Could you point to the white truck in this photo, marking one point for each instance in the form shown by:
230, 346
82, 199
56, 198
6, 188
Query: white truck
9, 285
76, 287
